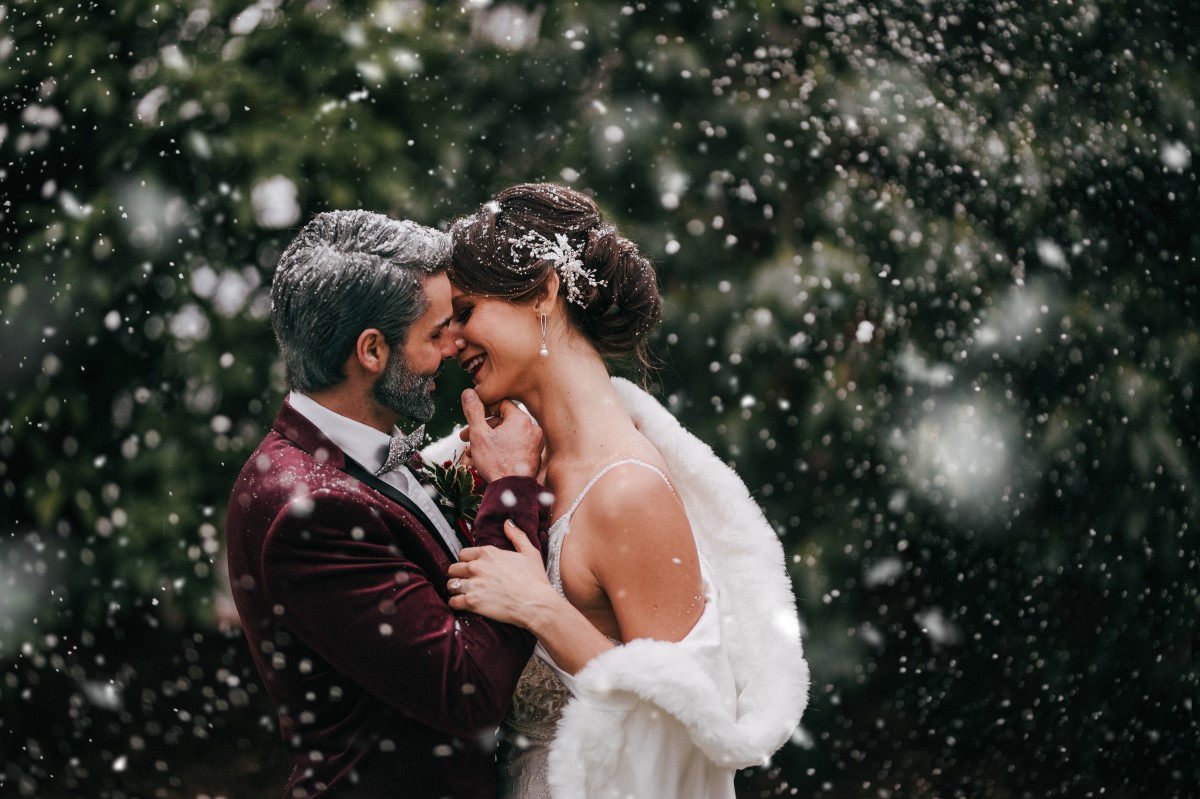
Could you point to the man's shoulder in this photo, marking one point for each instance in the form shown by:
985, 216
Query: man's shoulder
279, 469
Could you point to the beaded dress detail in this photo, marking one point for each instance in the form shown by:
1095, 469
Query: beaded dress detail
541, 693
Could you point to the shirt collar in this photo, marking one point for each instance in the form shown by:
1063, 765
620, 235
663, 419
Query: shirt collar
359, 441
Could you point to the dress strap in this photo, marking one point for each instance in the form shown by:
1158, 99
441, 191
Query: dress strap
574, 505
560, 528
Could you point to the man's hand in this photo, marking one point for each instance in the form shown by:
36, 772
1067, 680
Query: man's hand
511, 446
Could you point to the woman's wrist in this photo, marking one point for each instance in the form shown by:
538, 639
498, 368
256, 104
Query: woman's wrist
566, 633
548, 608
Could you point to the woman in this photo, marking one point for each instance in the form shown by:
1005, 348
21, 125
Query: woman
669, 651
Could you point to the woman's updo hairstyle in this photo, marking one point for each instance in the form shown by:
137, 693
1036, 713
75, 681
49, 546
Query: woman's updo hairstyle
615, 310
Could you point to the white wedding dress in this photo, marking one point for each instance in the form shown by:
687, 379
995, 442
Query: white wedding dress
671, 765
669, 720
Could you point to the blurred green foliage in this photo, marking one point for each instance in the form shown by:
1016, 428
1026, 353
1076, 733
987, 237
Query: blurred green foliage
931, 286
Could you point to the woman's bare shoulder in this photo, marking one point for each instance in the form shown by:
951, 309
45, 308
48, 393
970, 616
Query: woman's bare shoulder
632, 503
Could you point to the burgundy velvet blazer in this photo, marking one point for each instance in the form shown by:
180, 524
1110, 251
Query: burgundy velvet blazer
381, 689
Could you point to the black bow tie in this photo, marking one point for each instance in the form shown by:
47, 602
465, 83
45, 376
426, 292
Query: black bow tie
400, 449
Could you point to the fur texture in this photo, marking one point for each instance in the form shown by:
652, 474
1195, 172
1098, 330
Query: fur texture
759, 626
760, 632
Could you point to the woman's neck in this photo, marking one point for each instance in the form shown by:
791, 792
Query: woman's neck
575, 403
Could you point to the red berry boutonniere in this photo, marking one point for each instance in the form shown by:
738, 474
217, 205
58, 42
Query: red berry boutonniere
458, 487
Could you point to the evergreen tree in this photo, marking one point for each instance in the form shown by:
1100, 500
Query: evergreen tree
930, 272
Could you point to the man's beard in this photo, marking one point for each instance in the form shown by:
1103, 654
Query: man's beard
404, 391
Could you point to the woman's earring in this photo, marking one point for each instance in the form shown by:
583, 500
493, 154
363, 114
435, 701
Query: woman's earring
544, 352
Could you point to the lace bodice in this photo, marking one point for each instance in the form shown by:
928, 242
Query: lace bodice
541, 694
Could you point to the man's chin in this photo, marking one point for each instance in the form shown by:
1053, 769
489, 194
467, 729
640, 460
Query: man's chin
422, 413
418, 408
407, 394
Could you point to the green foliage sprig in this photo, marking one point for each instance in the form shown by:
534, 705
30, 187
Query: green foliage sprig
459, 490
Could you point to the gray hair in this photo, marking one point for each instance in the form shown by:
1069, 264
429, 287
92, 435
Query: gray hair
345, 272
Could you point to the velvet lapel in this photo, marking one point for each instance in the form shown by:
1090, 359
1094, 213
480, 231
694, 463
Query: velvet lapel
358, 472
295, 427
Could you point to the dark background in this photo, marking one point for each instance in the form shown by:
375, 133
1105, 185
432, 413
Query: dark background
931, 284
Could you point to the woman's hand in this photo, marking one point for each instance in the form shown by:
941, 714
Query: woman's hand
509, 587
512, 587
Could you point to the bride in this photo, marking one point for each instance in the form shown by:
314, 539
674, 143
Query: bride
669, 651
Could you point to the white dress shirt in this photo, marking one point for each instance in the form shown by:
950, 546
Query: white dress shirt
369, 447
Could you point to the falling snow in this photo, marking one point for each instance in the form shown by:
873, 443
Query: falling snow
929, 281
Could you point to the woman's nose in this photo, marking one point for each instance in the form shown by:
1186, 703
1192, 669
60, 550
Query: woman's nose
452, 343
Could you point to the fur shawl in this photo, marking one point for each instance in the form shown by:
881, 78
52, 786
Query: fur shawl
759, 628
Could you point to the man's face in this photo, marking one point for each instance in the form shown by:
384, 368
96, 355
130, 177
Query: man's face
407, 382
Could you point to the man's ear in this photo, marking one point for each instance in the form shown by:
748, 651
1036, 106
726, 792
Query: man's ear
371, 352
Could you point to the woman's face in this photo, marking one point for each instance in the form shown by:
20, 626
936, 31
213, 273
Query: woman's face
502, 338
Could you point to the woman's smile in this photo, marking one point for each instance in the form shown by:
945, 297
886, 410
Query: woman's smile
474, 363
499, 339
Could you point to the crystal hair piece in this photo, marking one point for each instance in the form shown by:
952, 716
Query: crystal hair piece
567, 260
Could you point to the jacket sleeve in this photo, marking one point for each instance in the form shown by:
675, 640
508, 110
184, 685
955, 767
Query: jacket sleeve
336, 576
507, 498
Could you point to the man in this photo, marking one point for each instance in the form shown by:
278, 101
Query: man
338, 557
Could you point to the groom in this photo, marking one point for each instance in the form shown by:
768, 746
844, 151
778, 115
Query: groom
338, 557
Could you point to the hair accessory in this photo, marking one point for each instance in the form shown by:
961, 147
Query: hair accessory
568, 261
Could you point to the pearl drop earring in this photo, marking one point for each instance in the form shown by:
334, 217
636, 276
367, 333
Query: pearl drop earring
544, 352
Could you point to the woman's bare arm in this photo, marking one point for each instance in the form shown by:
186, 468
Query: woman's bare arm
631, 536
